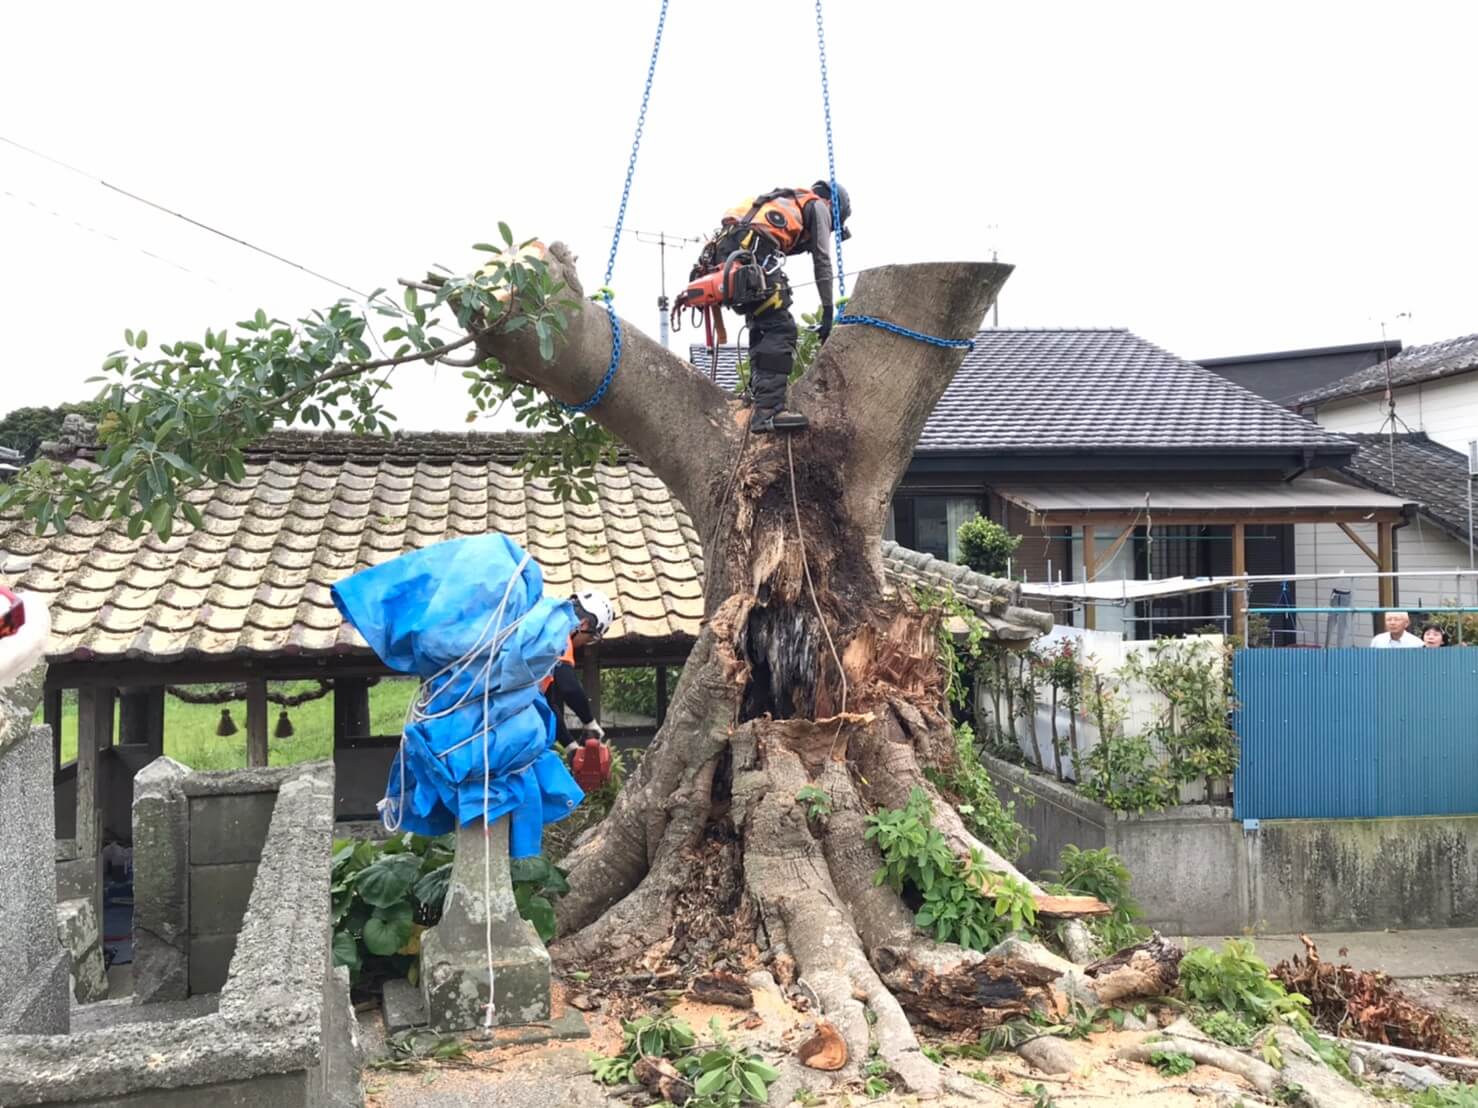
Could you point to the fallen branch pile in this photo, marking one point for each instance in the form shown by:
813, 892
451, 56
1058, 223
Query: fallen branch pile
1363, 1004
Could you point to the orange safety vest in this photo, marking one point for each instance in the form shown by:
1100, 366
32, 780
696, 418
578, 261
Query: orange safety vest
778, 214
568, 657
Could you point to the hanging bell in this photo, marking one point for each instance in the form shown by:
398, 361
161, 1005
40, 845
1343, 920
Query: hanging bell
227, 726
284, 728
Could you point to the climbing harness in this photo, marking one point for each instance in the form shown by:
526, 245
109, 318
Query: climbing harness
641, 121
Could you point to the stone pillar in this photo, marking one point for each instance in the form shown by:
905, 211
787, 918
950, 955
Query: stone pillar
34, 969
161, 883
454, 961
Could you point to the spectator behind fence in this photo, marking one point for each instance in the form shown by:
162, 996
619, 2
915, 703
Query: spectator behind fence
1433, 635
1397, 633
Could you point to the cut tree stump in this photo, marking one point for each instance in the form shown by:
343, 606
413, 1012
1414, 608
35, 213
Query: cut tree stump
1070, 907
1150, 968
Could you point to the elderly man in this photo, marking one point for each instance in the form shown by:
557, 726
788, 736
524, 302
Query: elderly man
1397, 633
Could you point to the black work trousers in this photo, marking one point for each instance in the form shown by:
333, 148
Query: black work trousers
772, 339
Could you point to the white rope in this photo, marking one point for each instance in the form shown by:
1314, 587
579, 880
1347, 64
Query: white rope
806, 566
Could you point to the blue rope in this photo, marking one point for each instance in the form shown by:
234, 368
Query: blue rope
831, 159
917, 336
641, 121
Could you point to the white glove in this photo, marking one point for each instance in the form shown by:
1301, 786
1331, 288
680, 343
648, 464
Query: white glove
594, 728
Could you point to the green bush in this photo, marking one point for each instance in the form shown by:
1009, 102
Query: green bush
962, 902
384, 894
631, 689
1237, 980
986, 546
988, 818
1101, 873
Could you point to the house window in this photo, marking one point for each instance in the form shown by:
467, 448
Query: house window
932, 523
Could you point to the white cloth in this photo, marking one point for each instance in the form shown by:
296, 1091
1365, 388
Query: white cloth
1383, 641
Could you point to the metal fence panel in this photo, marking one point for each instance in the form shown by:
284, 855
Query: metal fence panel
1356, 733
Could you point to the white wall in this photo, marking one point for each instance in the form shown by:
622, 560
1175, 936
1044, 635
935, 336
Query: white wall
1324, 548
1103, 652
1445, 409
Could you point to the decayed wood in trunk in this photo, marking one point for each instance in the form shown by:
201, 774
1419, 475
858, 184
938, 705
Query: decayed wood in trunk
1150, 968
757, 714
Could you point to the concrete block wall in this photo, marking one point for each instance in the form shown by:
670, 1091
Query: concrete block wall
282, 1033
1198, 871
229, 814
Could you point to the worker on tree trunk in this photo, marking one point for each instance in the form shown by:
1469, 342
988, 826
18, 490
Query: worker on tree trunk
562, 687
742, 268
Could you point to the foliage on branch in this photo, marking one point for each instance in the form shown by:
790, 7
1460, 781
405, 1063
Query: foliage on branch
179, 415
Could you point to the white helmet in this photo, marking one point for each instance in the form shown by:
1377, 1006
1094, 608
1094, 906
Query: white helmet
596, 605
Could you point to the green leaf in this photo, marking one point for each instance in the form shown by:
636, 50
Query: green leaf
767, 1072
389, 880
346, 950
753, 1086
537, 910
533, 870
505, 232
711, 1081
388, 929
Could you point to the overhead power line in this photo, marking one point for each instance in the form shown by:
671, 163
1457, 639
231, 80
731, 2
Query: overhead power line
183, 217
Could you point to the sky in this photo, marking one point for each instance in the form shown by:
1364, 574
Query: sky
1222, 179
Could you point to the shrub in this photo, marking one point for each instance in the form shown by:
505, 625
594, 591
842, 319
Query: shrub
986, 546
1237, 980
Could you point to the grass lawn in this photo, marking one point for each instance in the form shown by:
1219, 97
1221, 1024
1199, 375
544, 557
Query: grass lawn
190, 729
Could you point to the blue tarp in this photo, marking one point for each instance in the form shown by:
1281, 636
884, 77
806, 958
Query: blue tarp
422, 612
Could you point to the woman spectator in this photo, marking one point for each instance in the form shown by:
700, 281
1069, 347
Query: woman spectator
1433, 635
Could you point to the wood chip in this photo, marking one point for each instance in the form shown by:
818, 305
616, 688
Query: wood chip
824, 1050
721, 988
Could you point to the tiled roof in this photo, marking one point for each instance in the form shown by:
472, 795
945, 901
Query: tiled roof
984, 594
1415, 468
315, 508
1412, 366
1033, 391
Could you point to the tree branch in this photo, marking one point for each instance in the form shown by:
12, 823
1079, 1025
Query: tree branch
878, 388
673, 418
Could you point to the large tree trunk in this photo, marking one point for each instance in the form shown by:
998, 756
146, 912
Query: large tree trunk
831, 681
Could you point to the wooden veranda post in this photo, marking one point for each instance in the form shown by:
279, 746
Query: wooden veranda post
256, 723
94, 738
1090, 571
1386, 550
1239, 569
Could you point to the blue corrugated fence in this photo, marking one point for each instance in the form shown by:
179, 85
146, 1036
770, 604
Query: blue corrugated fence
1352, 733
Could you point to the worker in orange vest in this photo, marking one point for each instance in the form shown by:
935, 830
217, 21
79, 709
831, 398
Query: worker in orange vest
742, 268
562, 687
